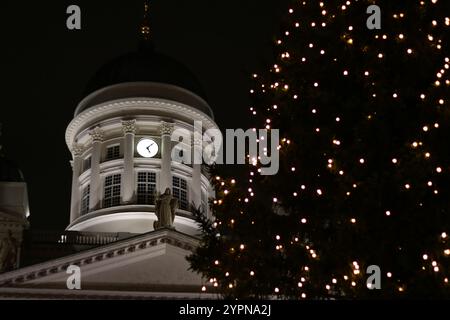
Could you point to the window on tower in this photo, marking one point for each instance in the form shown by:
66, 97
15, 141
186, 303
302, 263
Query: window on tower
85, 197
87, 163
180, 192
146, 187
113, 153
111, 197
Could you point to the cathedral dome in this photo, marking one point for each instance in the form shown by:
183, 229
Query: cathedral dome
9, 172
145, 73
145, 65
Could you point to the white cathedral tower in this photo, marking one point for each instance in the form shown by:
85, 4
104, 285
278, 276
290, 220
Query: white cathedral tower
121, 143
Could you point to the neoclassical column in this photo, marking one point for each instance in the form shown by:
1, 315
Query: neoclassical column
97, 136
196, 186
77, 162
165, 179
129, 131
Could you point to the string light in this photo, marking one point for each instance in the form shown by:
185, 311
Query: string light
338, 167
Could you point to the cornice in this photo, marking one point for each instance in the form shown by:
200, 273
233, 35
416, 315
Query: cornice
133, 107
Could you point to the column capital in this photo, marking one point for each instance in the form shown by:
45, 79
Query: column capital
166, 128
77, 150
97, 134
129, 126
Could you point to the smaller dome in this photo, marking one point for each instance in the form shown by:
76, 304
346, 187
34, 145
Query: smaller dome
9, 172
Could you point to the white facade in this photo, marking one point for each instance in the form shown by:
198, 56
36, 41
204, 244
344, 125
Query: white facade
113, 192
150, 266
113, 185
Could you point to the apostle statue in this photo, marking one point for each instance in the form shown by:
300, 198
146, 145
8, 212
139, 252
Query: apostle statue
8, 253
166, 206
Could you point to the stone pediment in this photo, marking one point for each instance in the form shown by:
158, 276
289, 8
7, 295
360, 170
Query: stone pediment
152, 265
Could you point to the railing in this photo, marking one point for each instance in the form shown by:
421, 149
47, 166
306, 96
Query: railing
77, 238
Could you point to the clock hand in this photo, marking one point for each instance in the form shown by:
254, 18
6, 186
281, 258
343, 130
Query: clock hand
148, 148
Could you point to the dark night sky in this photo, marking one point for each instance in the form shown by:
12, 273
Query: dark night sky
45, 68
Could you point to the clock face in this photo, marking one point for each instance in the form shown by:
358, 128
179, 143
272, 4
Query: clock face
147, 148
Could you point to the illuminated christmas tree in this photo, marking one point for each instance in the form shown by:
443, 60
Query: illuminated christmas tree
364, 177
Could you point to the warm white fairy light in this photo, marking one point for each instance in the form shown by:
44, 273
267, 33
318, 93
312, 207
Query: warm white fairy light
320, 114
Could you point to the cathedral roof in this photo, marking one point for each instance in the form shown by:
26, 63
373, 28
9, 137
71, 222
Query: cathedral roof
145, 65
148, 266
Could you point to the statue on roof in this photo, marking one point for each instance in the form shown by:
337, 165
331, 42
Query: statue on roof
166, 207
